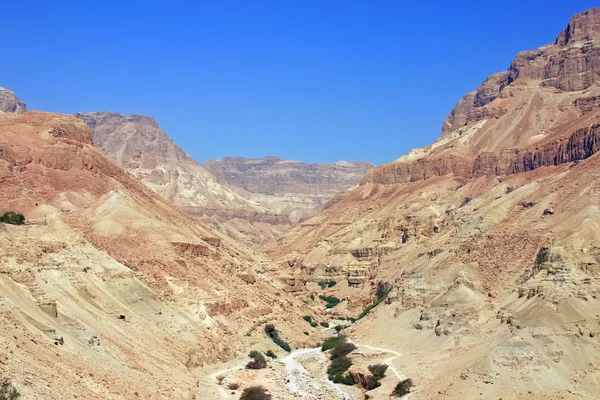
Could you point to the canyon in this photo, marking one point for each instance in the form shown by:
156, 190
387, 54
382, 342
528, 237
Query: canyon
252, 213
470, 266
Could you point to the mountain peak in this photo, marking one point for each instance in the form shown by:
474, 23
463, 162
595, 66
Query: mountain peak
582, 27
9, 102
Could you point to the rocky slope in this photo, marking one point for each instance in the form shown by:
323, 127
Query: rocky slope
138, 144
108, 291
487, 238
286, 186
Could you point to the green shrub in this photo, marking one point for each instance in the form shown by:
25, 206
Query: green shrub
270, 353
331, 301
258, 362
403, 388
314, 324
307, 318
382, 292
274, 335
12, 218
378, 370
8, 392
330, 283
306, 333
255, 393
253, 354
330, 342
338, 328
324, 324
342, 379
342, 348
339, 365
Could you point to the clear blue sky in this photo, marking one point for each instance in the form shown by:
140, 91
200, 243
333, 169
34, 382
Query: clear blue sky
316, 81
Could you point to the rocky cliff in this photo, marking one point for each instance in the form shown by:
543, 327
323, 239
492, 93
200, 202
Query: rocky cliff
487, 237
290, 187
107, 286
10, 103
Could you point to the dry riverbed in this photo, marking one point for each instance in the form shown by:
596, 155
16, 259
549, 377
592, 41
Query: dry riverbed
301, 374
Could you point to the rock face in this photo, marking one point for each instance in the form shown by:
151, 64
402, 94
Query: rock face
292, 188
10, 103
137, 143
111, 280
488, 237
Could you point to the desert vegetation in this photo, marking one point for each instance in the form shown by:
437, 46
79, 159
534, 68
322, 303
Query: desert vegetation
330, 301
330, 283
377, 373
340, 362
274, 335
383, 290
255, 393
12, 218
403, 388
258, 360
8, 391
270, 353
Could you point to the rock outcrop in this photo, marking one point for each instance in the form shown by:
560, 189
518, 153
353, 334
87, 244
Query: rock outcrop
286, 186
10, 103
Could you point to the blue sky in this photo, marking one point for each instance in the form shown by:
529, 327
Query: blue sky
316, 81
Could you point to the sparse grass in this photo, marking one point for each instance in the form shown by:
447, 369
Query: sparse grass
12, 218
331, 301
8, 391
274, 335
403, 388
255, 393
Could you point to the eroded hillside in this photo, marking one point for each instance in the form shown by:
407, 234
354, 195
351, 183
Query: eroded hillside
109, 292
488, 237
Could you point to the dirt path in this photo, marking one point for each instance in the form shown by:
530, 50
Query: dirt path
388, 361
223, 372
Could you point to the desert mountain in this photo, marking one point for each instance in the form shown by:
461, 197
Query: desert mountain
139, 145
110, 292
246, 211
286, 186
485, 243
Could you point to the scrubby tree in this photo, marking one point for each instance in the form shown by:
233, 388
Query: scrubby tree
255, 393
403, 388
